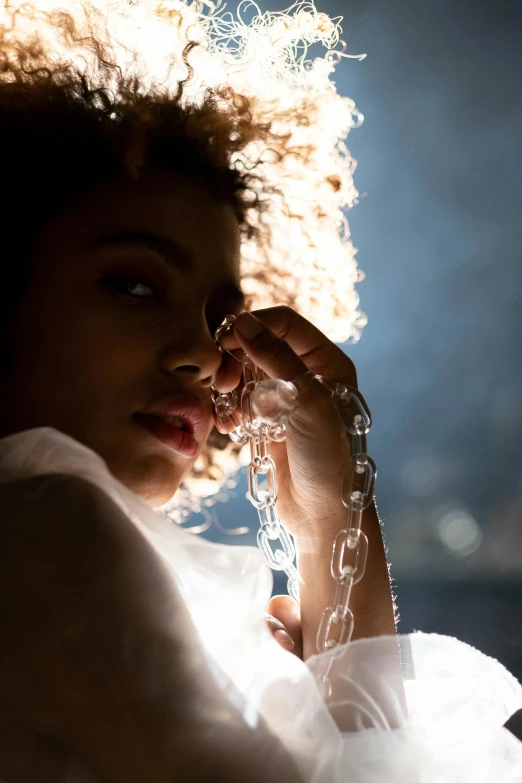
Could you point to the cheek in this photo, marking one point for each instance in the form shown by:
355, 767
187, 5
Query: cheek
75, 353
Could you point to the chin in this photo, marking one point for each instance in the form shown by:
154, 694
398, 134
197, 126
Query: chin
156, 493
158, 500
154, 479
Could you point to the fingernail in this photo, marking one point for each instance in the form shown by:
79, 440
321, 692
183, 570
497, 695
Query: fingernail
248, 325
284, 639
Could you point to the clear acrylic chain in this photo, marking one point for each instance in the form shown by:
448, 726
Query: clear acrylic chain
266, 405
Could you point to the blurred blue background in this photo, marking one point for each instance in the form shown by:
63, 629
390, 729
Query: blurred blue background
439, 232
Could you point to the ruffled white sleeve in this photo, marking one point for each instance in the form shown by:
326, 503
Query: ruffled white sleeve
413, 708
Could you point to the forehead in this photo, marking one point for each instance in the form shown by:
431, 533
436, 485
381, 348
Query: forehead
181, 212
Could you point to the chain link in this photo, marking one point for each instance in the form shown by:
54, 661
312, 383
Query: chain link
266, 405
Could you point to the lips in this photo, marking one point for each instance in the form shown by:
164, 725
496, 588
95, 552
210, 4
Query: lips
169, 434
196, 418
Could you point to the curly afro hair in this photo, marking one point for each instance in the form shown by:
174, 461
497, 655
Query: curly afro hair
77, 107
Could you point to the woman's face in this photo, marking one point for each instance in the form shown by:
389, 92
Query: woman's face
107, 328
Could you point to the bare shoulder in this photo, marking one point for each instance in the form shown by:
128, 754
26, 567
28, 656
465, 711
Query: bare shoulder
41, 515
64, 543
55, 539
100, 655
56, 512
68, 549
42, 496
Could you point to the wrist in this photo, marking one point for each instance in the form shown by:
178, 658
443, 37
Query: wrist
317, 534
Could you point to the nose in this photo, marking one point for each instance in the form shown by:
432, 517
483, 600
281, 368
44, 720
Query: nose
193, 354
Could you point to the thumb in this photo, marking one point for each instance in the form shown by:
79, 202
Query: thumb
287, 611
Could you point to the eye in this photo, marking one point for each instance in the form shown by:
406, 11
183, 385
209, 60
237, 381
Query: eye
132, 286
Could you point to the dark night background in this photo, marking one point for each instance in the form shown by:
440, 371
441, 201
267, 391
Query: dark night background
439, 232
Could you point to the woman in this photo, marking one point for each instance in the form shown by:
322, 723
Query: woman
111, 667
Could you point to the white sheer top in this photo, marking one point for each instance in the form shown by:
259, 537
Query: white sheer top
447, 729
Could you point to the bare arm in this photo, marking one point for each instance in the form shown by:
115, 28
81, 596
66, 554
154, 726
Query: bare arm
371, 599
100, 654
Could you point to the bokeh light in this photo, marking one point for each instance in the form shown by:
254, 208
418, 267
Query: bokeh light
460, 533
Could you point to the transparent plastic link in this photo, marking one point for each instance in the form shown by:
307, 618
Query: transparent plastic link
269, 520
352, 410
275, 561
293, 590
239, 436
342, 595
251, 372
290, 570
358, 482
358, 443
259, 450
358, 556
255, 447
249, 421
225, 327
334, 630
293, 579
277, 433
258, 497
266, 406
354, 528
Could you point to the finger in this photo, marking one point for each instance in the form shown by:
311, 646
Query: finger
287, 611
319, 353
268, 351
277, 359
279, 632
229, 374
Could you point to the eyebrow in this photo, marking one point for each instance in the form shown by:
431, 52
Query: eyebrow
174, 254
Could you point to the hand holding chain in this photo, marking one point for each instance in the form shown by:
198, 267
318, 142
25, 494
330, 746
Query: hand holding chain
266, 406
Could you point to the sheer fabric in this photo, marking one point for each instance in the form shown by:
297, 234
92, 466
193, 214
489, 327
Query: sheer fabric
416, 708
